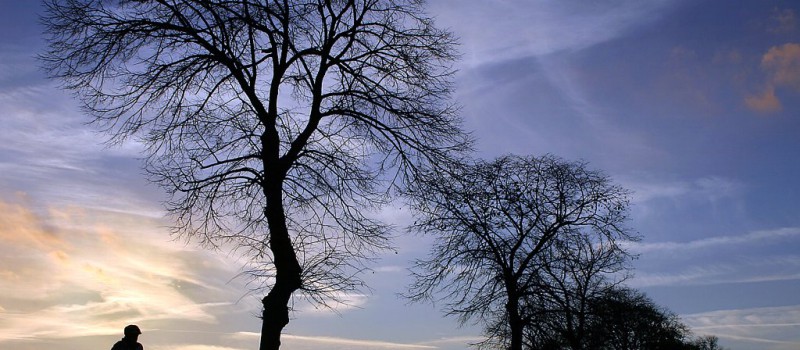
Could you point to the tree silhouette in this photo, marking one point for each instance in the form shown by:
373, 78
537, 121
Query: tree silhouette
626, 319
573, 273
275, 126
501, 225
706, 342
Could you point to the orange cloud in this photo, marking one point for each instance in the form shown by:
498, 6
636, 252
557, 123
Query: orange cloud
20, 226
782, 65
765, 102
99, 270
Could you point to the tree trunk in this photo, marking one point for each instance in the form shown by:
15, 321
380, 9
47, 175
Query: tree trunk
515, 323
287, 272
274, 317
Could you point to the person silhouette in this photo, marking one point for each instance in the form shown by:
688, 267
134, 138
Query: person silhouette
129, 342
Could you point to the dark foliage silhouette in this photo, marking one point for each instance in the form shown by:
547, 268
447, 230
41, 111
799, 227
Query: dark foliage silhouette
706, 342
625, 319
275, 126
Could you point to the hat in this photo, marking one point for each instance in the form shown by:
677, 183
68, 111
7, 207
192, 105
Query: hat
132, 330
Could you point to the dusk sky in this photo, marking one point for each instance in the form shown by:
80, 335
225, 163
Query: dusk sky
694, 105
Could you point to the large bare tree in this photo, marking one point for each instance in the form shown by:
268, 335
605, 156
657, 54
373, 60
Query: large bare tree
509, 231
275, 125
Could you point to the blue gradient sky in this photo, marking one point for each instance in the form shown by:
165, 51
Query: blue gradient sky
691, 104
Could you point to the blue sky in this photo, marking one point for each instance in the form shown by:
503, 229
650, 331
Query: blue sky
691, 104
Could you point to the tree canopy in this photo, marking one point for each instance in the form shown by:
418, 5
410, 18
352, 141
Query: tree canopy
275, 126
501, 226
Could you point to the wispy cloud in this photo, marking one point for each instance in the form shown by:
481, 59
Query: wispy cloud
455, 341
706, 274
783, 21
711, 188
753, 257
710, 243
335, 343
49, 151
767, 328
746, 270
341, 302
64, 265
507, 29
343, 343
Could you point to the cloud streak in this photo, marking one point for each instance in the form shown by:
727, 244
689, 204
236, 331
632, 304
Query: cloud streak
711, 188
710, 243
503, 30
74, 268
753, 257
336, 343
753, 327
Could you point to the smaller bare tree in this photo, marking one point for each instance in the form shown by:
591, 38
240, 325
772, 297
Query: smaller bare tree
574, 272
499, 224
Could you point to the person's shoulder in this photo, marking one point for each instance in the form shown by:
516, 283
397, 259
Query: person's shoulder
122, 345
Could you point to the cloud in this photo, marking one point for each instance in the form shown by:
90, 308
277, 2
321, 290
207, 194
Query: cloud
709, 188
343, 343
508, 29
50, 152
740, 270
455, 341
782, 67
337, 303
335, 343
715, 242
766, 102
301, 342
783, 63
706, 274
783, 21
63, 264
765, 328
753, 257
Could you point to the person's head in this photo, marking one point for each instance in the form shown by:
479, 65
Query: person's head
132, 331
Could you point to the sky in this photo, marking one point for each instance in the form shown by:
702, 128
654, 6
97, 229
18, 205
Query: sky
691, 104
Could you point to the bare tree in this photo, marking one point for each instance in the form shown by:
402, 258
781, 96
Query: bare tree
501, 226
275, 126
574, 272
